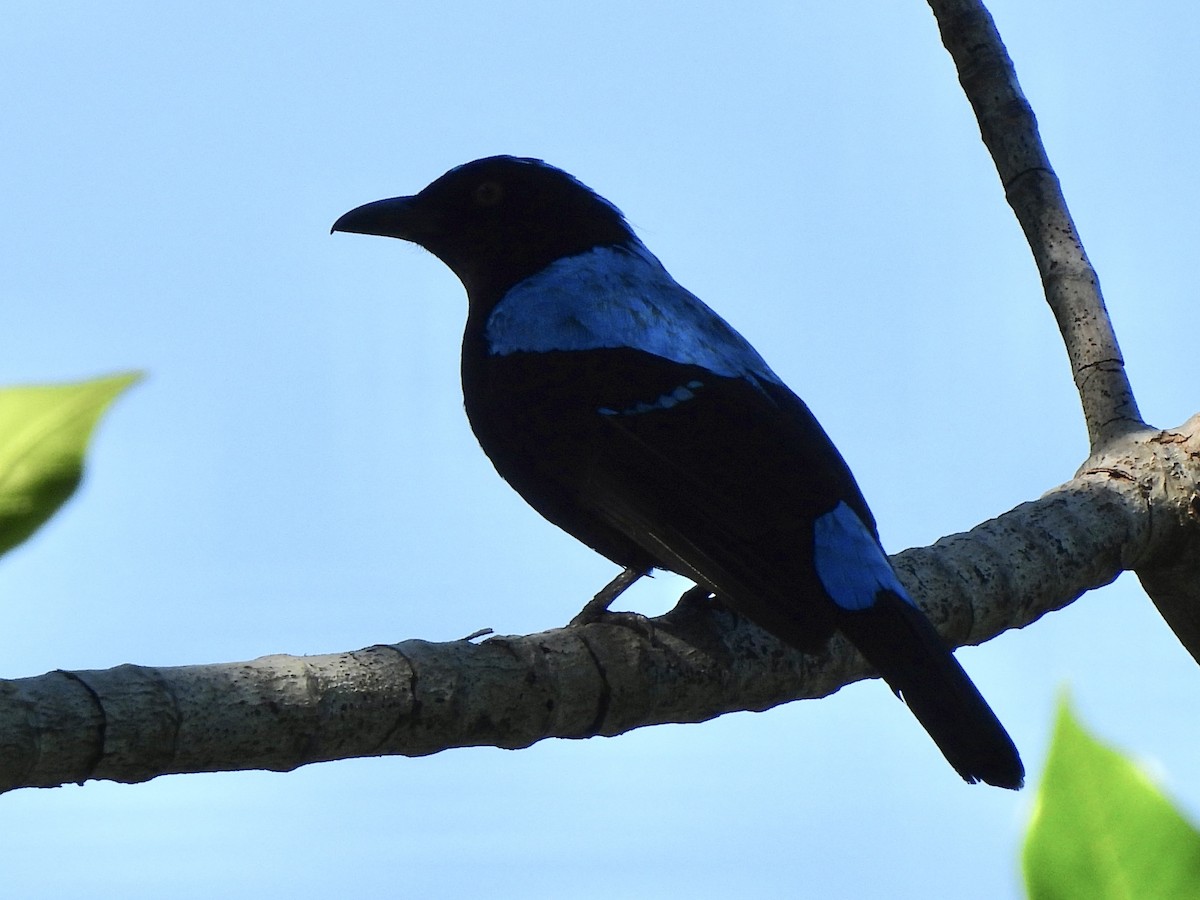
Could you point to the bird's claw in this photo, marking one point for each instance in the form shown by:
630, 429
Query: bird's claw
632, 620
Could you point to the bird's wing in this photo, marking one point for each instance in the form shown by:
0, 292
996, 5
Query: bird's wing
721, 479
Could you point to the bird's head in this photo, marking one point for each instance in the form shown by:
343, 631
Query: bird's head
496, 221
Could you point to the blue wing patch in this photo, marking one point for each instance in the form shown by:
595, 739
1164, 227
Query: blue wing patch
681, 394
619, 296
851, 565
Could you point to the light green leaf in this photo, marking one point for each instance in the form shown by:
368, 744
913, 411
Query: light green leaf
1101, 830
44, 433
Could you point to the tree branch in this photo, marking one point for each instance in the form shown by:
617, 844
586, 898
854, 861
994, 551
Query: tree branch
1170, 573
1009, 130
696, 662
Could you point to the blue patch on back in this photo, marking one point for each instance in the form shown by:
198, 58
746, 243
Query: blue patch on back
851, 565
618, 296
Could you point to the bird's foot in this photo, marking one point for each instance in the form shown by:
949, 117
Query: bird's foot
634, 621
643, 625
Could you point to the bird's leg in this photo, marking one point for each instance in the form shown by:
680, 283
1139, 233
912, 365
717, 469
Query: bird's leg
597, 607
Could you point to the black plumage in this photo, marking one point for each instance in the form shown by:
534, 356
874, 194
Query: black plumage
629, 414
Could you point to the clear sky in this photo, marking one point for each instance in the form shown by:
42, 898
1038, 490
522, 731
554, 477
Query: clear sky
296, 474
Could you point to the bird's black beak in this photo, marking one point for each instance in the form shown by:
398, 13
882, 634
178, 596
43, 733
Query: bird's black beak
397, 217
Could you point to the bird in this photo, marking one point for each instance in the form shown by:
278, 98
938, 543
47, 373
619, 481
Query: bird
631, 415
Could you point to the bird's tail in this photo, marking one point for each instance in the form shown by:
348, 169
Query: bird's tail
903, 645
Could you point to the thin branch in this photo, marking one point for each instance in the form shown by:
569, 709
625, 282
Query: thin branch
1009, 130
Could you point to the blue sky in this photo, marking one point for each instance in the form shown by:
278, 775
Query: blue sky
296, 474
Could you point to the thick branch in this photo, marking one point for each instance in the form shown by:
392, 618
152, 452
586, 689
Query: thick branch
1009, 129
1171, 573
698, 661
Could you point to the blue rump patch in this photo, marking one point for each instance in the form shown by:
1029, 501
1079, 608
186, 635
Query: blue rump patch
851, 565
619, 296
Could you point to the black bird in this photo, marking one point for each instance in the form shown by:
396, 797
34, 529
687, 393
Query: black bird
630, 415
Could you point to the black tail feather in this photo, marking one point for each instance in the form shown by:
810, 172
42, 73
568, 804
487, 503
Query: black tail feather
916, 663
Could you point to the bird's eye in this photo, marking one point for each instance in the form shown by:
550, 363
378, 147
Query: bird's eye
489, 193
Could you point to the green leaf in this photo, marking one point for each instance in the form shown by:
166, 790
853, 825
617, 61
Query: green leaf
1102, 830
44, 432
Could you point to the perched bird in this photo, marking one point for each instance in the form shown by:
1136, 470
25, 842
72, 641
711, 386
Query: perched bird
630, 415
